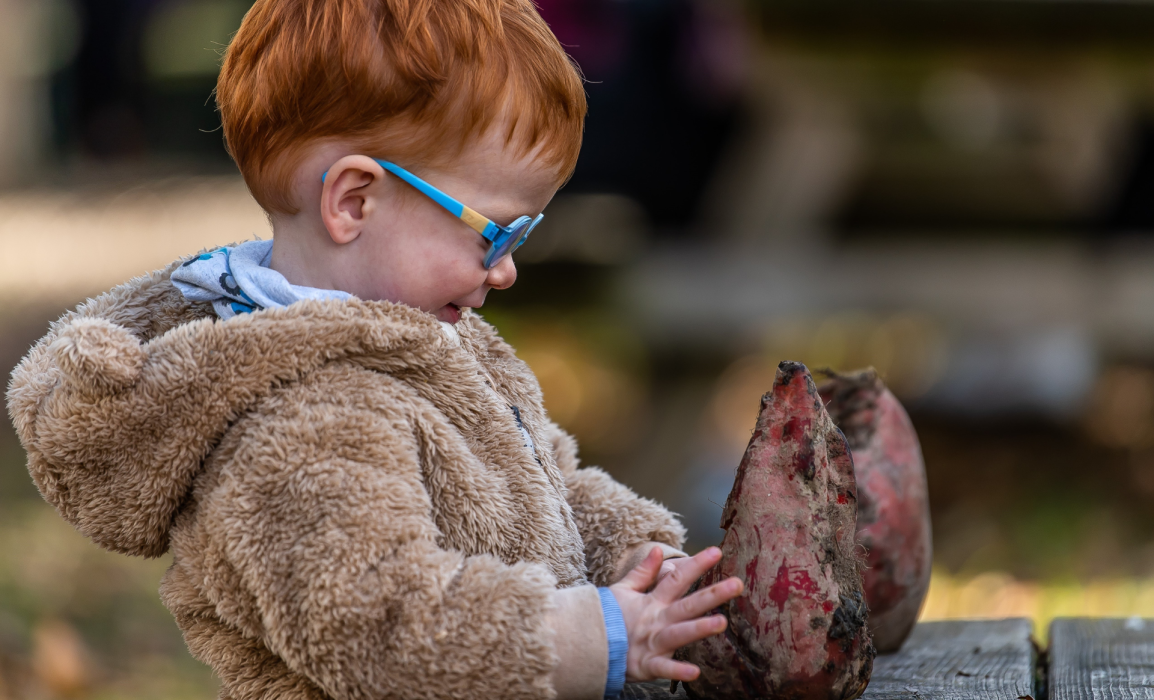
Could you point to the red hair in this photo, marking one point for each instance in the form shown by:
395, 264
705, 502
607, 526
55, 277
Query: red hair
393, 77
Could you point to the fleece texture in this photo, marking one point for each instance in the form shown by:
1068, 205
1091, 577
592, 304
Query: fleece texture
352, 509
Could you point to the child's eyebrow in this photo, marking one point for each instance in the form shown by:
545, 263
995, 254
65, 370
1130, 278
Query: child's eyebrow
503, 213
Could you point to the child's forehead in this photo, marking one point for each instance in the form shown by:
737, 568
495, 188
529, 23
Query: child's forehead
494, 153
496, 167
498, 149
501, 180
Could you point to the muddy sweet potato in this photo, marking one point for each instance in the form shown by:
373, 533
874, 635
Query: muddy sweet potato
893, 519
798, 632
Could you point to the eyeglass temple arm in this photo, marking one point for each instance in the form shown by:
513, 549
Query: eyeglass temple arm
478, 223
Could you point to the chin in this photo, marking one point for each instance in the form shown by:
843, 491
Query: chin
449, 313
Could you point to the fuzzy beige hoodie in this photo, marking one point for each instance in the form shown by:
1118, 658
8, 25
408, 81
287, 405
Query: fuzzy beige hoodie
352, 509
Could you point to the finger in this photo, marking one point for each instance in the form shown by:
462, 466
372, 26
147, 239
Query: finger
706, 599
682, 577
641, 578
665, 667
676, 636
666, 569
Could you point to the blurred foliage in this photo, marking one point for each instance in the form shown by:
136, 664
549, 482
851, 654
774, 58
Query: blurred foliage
187, 39
896, 25
1040, 502
996, 594
907, 350
592, 369
77, 621
39, 39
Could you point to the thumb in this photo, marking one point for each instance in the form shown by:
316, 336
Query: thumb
643, 575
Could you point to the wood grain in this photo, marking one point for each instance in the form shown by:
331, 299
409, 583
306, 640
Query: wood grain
955, 660
1101, 659
652, 691
959, 660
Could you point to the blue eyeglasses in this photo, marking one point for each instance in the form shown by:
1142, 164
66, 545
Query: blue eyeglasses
504, 239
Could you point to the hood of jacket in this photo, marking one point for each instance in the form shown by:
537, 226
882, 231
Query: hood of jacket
120, 403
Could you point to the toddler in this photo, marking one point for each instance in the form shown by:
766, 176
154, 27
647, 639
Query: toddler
360, 488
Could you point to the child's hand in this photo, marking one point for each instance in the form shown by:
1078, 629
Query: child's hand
662, 621
669, 566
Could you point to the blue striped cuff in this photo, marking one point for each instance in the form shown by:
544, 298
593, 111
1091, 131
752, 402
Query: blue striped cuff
618, 643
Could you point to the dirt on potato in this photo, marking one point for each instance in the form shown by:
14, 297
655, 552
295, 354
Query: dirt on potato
799, 631
893, 519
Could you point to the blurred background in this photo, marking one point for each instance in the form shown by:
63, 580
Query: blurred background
959, 193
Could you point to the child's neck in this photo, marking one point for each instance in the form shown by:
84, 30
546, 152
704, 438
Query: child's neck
304, 256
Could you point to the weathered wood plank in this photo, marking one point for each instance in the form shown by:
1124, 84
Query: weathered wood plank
955, 660
1096, 659
958, 660
652, 691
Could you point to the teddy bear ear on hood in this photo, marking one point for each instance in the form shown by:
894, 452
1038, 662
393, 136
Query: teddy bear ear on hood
121, 402
98, 356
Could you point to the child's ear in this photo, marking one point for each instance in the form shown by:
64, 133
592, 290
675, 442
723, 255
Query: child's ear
348, 196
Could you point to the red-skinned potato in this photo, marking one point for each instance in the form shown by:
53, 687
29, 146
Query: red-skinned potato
893, 520
798, 632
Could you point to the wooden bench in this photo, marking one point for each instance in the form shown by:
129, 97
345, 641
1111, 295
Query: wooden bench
1088, 659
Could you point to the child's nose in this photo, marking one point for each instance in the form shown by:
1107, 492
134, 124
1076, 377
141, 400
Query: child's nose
503, 274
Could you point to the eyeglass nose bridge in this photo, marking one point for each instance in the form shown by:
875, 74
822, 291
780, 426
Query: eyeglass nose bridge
510, 238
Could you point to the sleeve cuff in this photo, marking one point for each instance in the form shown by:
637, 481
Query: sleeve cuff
618, 643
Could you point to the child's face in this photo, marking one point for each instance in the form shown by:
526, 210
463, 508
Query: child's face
386, 241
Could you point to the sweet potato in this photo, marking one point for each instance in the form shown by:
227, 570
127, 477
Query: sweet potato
798, 632
893, 520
